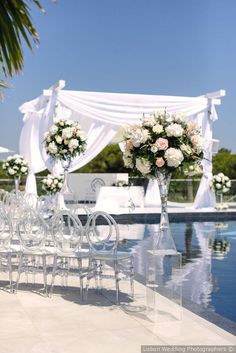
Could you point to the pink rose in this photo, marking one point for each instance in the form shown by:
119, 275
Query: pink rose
160, 162
162, 144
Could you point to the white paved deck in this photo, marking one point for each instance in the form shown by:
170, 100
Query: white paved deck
31, 323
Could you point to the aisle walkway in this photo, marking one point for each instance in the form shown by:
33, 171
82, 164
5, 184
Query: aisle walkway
31, 323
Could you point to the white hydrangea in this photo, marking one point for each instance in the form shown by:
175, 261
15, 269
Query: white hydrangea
143, 165
175, 130
174, 157
137, 135
149, 121
128, 161
186, 149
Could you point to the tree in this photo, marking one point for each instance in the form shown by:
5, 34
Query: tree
108, 161
225, 162
16, 28
224, 150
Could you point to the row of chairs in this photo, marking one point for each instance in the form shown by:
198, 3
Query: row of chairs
58, 244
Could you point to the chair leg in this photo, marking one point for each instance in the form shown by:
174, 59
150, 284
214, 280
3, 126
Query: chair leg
10, 272
131, 278
54, 269
45, 275
19, 273
117, 282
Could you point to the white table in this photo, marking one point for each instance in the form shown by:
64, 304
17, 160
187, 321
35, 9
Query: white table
113, 197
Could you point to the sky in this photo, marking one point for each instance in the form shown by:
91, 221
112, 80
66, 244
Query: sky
163, 47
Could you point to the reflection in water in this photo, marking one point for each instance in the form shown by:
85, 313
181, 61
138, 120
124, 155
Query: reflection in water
200, 245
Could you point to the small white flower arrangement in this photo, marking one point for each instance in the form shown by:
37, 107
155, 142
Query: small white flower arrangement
52, 184
161, 143
16, 166
220, 183
64, 140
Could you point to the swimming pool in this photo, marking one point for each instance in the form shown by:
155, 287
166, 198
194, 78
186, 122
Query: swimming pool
208, 275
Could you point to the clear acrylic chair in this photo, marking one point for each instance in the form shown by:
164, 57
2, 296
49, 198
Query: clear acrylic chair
9, 253
103, 237
82, 211
69, 258
32, 231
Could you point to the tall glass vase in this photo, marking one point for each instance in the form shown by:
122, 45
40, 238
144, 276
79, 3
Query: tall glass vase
17, 183
165, 243
66, 192
66, 165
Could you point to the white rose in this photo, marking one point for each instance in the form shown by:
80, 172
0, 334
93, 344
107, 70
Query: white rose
143, 165
154, 149
11, 171
60, 185
218, 178
228, 184
58, 139
225, 189
53, 129
221, 175
67, 133
18, 161
174, 157
52, 148
49, 181
73, 144
175, 130
218, 186
158, 128
23, 169
55, 181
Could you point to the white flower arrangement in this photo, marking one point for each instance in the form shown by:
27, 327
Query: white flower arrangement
52, 184
220, 183
162, 143
16, 166
64, 140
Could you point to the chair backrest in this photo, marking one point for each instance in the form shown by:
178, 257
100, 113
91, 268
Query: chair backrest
6, 231
102, 232
31, 200
15, 205
67, 231
32, 231
81, 210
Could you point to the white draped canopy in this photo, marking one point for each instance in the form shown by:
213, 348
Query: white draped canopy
101, 115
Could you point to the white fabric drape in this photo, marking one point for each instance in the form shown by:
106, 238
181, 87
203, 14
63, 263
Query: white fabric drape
100, 115
205, 196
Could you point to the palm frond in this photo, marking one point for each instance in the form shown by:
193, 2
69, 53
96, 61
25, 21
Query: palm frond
16, 27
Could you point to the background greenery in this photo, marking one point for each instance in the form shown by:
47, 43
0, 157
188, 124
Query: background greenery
110, 161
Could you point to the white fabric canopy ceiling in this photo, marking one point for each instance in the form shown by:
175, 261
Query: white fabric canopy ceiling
100, 115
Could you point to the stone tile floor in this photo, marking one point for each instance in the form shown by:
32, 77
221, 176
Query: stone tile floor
33, 323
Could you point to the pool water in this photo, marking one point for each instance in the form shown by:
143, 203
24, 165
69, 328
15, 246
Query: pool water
208, 275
